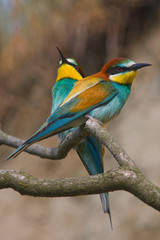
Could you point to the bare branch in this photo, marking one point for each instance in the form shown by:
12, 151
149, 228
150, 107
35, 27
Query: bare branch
128, 177
130, 180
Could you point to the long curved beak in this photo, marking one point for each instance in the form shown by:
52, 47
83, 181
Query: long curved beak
64, 60
137, 66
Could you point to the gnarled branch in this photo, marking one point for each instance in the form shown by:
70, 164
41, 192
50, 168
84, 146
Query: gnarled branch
127, 177
131, 180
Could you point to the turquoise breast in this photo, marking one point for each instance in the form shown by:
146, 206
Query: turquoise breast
107, 111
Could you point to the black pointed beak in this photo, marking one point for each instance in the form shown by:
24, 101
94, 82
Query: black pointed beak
64, 60
137, 66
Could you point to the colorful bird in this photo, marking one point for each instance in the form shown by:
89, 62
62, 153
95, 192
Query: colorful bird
101, 96
90, 150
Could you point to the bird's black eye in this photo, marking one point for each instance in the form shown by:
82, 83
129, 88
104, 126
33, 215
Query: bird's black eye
119, 69
77, 68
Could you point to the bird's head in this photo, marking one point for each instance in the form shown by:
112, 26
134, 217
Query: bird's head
122, 70
69, 68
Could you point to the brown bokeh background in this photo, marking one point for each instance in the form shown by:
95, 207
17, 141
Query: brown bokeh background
92, 32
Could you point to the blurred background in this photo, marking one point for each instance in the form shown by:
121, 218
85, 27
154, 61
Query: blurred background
92, 32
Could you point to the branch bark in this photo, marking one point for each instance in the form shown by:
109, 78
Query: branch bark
131, 180
127, 177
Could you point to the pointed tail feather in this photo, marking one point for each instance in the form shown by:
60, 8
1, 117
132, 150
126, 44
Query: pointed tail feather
106, 207
91, 151
17, 151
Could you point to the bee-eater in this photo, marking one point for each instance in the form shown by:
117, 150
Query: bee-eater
90, 150
101, 96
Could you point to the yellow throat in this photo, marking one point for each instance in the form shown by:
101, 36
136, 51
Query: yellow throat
68, 71
123, 78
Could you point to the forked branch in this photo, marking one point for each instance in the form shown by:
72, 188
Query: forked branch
127, 177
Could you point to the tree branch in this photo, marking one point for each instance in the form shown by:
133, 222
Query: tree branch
50, 153
128, 177
131, 180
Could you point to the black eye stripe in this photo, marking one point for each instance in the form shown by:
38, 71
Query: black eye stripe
116, 69
77, 68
